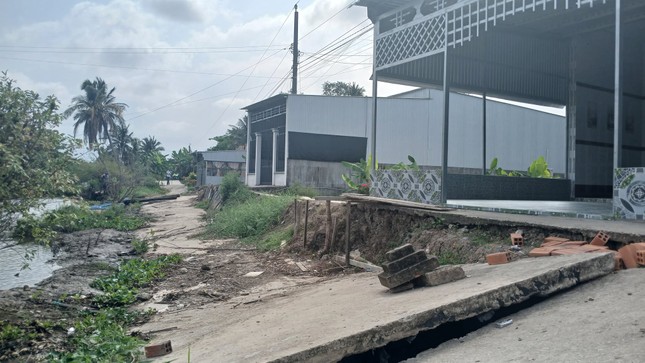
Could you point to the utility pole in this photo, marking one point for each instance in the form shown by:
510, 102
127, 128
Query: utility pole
294, 84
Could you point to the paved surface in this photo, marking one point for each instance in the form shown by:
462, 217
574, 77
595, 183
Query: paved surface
601, 321
329, 320
590, 209
623, 231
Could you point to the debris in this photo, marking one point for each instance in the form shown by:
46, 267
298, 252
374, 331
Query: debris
161, 330
205, 267
158, 350
71, 331
254, 274
504, 323
406, 268
364, 265
629, 254
302, 266
440, 276
517, 239
498, 258
601, 239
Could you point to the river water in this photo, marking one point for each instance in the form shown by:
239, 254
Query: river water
12, 259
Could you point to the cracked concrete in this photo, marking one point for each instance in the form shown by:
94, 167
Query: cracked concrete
328, 321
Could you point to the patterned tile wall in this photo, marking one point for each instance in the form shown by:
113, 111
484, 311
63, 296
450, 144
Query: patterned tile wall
629, 193
421, 186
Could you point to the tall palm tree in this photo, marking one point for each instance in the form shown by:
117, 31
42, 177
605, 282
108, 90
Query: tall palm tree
123, 145
97, 111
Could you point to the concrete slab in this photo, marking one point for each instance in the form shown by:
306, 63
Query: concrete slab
331, 320
601, 321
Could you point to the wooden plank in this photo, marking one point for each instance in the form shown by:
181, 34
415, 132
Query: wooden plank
348, 222
302, 266
395, 202
335, 198
364, 265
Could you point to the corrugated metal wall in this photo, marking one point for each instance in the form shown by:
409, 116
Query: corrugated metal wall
412, 126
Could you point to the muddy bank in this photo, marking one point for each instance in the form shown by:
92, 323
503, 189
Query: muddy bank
45, 311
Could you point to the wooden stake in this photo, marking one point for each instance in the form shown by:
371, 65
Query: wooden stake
347, 228
306, 220
296, 218
328, 228
333, 234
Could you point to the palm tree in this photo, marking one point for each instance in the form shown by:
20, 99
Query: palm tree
123, 145
150, 145
97, 111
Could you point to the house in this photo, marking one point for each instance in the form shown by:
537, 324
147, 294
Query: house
587, 55
302, 139
213, 165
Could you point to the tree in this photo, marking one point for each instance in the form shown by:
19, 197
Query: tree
96, 110
234, 137
183, 161
150, 144
124, 146
34, 157
343, 89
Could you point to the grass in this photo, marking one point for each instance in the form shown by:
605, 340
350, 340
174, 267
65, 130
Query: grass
450, 258
144, 191
272, 240
77, 218
250, 218
121, 287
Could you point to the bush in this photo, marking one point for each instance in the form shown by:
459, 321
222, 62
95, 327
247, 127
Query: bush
250, 218
76, 218
232, 190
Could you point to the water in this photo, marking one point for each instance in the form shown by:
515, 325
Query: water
12, 259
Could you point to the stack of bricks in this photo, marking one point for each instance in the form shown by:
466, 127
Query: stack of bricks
626, 257
406, 268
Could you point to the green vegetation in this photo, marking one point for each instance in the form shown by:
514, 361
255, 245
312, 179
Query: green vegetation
121, 287
450, 258
76, 218
341, 88
539, 168
234, 137
33, 154
103, 336
359, 173
249, 216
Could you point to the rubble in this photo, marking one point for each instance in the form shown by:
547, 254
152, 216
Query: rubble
406, 268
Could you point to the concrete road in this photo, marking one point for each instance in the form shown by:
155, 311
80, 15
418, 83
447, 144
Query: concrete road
600, 321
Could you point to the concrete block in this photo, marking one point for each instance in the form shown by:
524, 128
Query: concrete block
408, 274
517, 239
401, 288
404, 262
399, 252
498, 258
440, 276
601, 239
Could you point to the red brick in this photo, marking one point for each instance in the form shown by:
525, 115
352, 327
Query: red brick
628, 254
157, 350
640, 257
498, 258
555, 239
573, 243
541, 252
601, 239
517, 239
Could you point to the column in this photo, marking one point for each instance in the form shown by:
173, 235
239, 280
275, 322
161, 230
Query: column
258, 157
274, 163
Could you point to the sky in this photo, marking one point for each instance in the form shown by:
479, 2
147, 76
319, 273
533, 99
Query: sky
184, 67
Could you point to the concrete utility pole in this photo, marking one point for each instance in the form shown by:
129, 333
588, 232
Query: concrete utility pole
294, 83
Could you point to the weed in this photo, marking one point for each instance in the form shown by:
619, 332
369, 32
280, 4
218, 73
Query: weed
450, 258
250, 218
140, 247
273, 239
232, 190
437, 223
76, 218
204, 204
120, 288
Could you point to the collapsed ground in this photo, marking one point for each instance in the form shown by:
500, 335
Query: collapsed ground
216, 270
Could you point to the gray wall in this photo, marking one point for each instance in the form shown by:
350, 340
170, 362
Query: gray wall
316, 174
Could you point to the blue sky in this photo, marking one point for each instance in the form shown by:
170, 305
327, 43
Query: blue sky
171, 61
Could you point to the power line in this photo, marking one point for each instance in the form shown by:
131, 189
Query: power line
246, 80
129, 67
328, 19
203, 89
